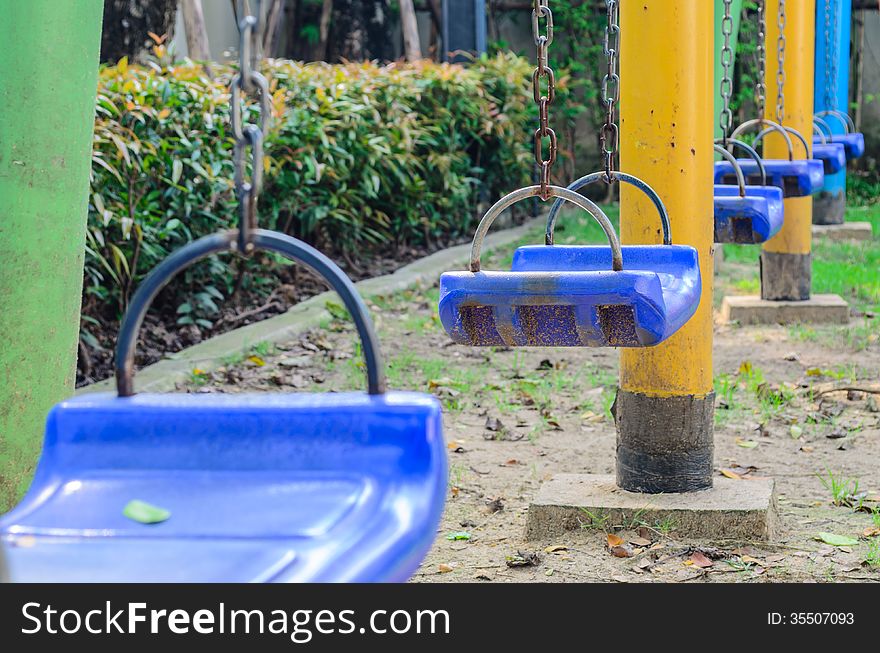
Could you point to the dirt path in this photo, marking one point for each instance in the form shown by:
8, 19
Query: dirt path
515, 417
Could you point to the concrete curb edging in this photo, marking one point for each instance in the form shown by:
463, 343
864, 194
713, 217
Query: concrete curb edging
164, 375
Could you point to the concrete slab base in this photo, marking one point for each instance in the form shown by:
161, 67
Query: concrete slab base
732, 509
844, 231
751, 309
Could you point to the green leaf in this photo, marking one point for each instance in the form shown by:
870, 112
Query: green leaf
338, 311
176, 170
837, 540
459, 535
145, 513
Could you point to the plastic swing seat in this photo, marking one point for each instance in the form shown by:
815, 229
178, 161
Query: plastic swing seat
755, 218
572, 296
832, 156
853, 144
745, 214
260, 487
796, 178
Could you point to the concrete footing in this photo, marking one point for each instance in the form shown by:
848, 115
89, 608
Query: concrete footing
844, 231
731, 509
751, 309
829, 207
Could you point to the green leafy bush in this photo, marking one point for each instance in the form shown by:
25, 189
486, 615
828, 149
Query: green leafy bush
360, 158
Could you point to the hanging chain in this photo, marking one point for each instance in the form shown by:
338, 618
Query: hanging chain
250, 83
608, 132
760, 84
831, 52
780, 59
726, 117
543, 40
828, 64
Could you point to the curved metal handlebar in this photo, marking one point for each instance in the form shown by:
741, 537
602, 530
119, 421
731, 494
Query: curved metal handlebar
848, 125
818, 125
773, 125
619, 177
227, 241
555, 191
740, 180
748, 149
790, 130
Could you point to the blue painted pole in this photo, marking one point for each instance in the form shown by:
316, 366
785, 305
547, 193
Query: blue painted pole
832, 25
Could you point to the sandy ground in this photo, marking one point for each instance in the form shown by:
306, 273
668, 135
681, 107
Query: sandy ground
513, 418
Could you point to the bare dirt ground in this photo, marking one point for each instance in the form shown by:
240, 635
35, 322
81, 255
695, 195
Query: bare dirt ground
513, 418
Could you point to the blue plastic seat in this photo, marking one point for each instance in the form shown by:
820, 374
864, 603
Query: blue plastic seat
796, 178
568, 296
853, 144
755, 218
832, 155
262, 487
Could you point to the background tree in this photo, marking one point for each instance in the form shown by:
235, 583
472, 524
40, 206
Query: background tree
127, 23
360, 30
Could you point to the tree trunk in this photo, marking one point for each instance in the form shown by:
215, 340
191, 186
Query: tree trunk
127, 23
196, 32
412, 49
324, 28
273, 18
360, 30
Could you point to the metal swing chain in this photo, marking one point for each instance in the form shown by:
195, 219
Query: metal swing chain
609, 136
250, 83
831, 19
780, 59
760, 85
542, 42
726, 117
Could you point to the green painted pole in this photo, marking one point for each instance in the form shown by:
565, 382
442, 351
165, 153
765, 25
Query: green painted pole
48, 80
735, 13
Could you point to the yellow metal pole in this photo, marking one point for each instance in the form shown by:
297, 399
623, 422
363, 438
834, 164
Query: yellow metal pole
665, 402
786, 264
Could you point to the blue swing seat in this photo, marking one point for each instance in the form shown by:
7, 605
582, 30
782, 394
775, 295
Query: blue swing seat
796, 178
832, 156
853, 144
755, 218
260, 487
568, 296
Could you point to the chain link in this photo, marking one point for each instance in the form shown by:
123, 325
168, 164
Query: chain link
726, 117
760, 83
248, 136
541, 14
780, 59
609, 135
831, 53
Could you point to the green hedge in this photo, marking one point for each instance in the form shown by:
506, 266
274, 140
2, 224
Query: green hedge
359, 157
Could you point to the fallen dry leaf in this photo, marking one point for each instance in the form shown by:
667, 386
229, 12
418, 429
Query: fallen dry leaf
871, 531
444, 569
639, 541
555, 548
614, 540
731, 474
698, 559
523, 559
621, 552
